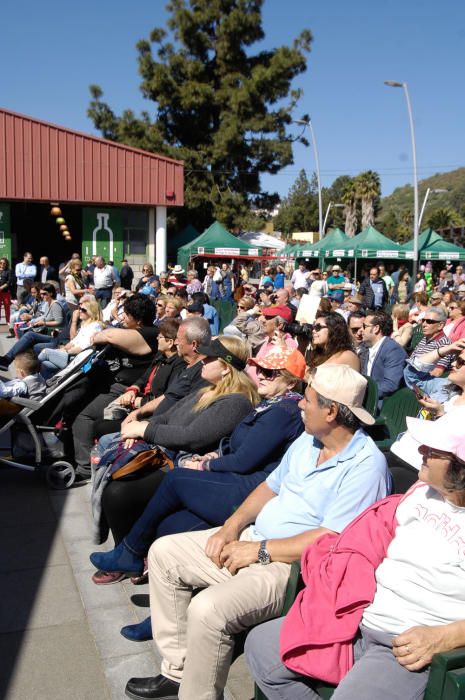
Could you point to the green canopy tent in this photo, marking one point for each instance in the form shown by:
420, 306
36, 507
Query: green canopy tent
431, 246
216, 242
334, 240
370, 244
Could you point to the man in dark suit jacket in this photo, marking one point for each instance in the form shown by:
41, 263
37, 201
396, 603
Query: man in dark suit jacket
373, 291
46, 271
386, 358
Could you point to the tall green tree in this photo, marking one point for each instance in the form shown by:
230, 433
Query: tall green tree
368, 189
299, 211
219, 106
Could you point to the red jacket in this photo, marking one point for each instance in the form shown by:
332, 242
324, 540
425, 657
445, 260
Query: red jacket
339, 574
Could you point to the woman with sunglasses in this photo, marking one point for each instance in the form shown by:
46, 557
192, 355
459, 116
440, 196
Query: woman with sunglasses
52, 318
195, 423
160, 306
455, 327
331, 342
90, 322
208, 487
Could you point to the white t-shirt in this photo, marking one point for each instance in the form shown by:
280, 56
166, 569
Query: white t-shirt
299, 279
422, 579
82, 339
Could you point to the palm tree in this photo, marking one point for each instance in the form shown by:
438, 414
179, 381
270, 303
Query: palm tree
443, 217
368, 188
349, 199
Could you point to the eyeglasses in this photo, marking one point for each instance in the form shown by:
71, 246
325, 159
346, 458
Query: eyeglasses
266, 373
83, 310
44, 294
318, 327
170, 294
160, 304
356, 330
459, 362
453, 306
367, 325
429, 321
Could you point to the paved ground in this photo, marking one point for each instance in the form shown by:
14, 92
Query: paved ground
59, 633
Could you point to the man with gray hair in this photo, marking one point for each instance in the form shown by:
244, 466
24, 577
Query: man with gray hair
326, 478
104, 281
423, 376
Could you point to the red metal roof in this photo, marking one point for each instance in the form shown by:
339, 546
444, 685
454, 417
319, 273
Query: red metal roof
45, 162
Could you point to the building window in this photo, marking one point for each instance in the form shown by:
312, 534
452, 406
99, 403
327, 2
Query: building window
135, 231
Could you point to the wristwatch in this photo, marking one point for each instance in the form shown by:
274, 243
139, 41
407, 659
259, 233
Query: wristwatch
263, 554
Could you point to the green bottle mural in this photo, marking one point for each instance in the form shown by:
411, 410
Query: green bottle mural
102, 233
5, 231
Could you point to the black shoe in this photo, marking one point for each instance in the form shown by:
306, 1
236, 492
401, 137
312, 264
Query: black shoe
4, 362
158, 687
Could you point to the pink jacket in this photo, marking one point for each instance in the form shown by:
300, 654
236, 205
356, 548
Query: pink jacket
339, 574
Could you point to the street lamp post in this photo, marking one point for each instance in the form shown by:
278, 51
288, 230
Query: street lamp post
394, 83
428, 192
308, 122
331, 205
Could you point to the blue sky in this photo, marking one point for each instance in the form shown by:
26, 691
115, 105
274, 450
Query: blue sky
52, 51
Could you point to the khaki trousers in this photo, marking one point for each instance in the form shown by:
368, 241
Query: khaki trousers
195, 634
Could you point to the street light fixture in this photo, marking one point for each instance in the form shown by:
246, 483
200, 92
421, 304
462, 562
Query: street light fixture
396, 84
305, 123
331, 205
428, 192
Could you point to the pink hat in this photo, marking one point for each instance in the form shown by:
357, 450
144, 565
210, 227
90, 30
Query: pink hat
445, 434
282, 358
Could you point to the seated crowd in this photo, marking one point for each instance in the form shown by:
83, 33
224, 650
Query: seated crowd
218, 460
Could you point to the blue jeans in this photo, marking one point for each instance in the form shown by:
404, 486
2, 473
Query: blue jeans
29, 340
189, 500
435, 387
51, 361
376, 672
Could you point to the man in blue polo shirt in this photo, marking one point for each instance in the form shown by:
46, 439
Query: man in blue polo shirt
326, 478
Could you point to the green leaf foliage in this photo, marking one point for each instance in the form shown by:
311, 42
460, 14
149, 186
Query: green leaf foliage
299, 211
218, 106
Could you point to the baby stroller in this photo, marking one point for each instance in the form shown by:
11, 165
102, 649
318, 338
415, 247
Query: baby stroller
59, 473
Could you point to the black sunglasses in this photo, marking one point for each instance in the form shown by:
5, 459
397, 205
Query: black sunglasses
268, 373
318, 327
459, 362
429, 321
356, 330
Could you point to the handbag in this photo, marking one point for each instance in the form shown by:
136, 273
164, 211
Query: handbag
154, 458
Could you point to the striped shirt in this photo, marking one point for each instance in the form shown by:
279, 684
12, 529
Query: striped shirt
428, 344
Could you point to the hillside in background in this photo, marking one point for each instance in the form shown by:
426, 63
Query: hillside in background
395, 214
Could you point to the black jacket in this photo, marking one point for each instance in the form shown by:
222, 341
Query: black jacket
367, 293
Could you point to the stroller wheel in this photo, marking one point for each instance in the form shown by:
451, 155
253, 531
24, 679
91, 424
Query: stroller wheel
60, 475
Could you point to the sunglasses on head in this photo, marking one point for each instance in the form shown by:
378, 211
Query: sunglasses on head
318, 327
